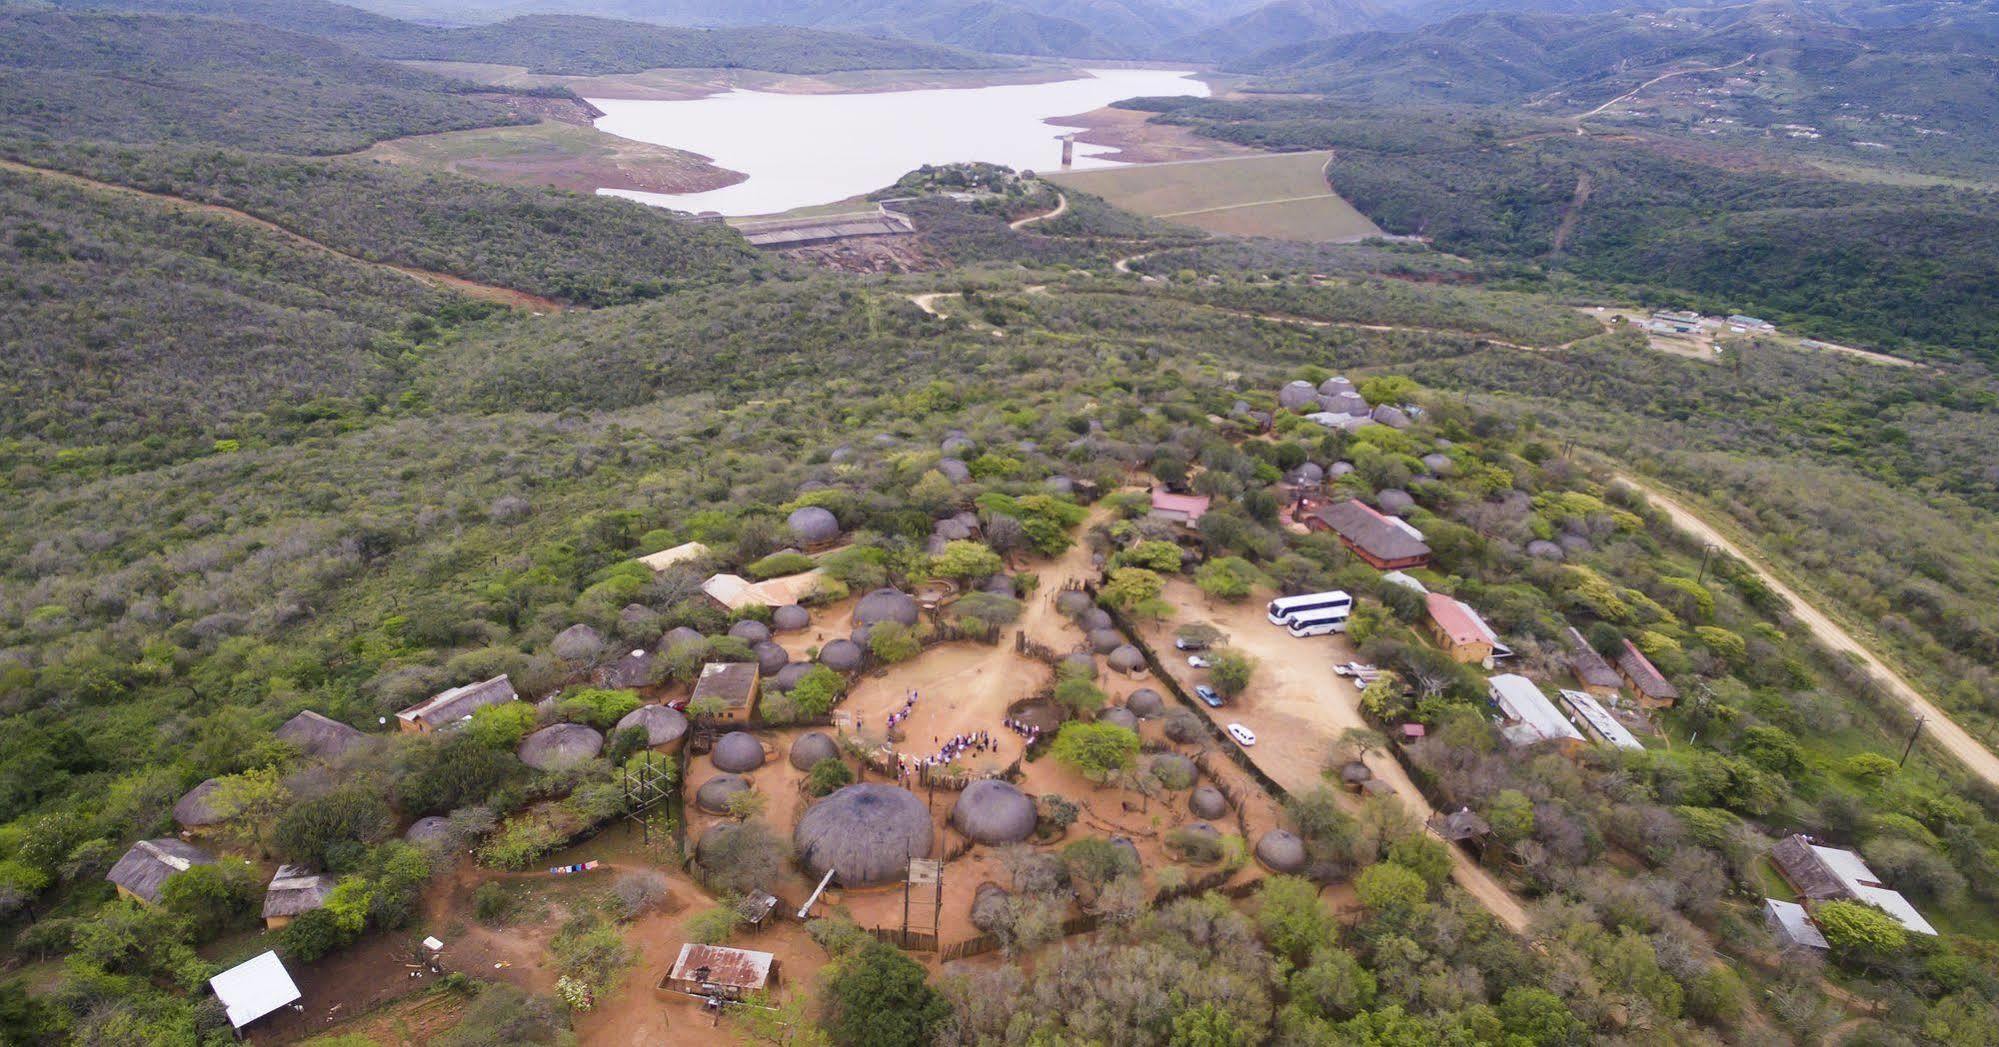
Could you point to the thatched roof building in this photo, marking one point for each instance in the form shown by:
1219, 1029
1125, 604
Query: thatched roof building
664, 726
1073, 602
771, 657
1281, 851
811, 748
1119, 716
787, 678
790, 618
1093, 618
1104, 641
812, 525
713, 796
560, 745
1207, 802
989, 907
678, 636
887, 605
865, 834
578, 643
434, 829
1395, 502
1146, 704
993, 812
631, 670
738, 752
1298, 396
457, 703
1173, 767
1355, 774
1127, 659
843, 656
142, 871
1460, 826
750, 631
319, 736
197, 809
293, 892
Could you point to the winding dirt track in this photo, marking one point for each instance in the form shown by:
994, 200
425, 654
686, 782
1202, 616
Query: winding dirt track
1940, 728
485, 292
1061, 208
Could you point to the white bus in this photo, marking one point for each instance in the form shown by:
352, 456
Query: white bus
1285, 608
1317, 624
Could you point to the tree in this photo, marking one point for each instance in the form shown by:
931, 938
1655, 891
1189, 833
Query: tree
1290, 918
1424, 855
879, 998
1079, 696
1159, 557
1333, 984
501, 726
1230, 578
1539, 1017
966, 561
1130, 587
213, 898
817, 691
1096, 750
827, 775
248, 803
1207, 1026
892, 642
314, 831
1230, 670
1390, 890
598, 707
1859, 931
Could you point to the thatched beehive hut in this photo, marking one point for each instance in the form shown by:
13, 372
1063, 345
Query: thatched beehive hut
1336, 385
578, 643
771, 657
1173, 770
1146, 704
1072, 602
1392, 417
1338, 469
750, 631
560, 745
678, 636
1298, 395
842, 656
989, 907
811, 748
790, 618
434, 829
319, 736
1281, 851
999, 585
1395, 502
812, 525
1104, 641
1119, 716
993, 812
738, 751
952, 529
1355, 774
887, 605
787, 678
713, 796
1126, 659
663, 726
864, 834
1305, 475
1185, 727
197, 809
1208, 802
956, 445
1094, 618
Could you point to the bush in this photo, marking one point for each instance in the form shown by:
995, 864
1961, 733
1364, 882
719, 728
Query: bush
892, 642
314, 830
1080, 697
878, 997
492, 903
640, 892
1096, 750
713, 926
516, 846
1230, 671
1198, 848
777, 565
817, 692
827, 775
501, 726
596, 707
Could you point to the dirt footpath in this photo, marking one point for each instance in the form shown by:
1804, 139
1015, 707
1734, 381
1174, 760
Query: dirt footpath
1940, 728
1298, 708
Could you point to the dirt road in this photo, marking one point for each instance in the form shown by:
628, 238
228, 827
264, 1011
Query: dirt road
485, 292
1634, 92
1061, 208
1940, 728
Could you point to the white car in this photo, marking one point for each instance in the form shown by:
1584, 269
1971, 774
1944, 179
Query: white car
1243, 735
1198, 661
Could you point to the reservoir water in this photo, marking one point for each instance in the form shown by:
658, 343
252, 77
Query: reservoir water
800, 150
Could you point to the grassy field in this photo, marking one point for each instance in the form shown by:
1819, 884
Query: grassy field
553, 153
1278, 195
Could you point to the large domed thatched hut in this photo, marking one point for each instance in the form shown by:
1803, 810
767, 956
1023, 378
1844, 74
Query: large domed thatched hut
663, 726
790, 618
787, 677
1072, 602
1281, 851
811, 748
1173, 770
993, 812
1094, 618
842, 656
1298, 395
434, 829
1395, 502
887, 605
771, 657
864, 834
713, 796
1208, 802
1355, 774
560, 745
1146, 704
738, 752
1104, 641
750, 631
197, 809
812, 525
1119, 716
679, 636
578, 643
1126, 659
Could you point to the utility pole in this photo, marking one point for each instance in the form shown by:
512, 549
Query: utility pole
1907, 749
1706, 552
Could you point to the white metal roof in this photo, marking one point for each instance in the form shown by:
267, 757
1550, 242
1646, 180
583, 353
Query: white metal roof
1404, 580
1864, 885
682, 553
1600, 720
254, 988
1531, 716
1796, 923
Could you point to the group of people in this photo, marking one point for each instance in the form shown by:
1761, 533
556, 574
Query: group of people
1026, 730
896, 717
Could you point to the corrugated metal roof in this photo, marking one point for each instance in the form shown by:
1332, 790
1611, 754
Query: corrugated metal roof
254, 988
1600, 720
1533, 718
735, 968
1457, 620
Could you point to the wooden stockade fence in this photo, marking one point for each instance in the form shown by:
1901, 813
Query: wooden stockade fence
913, 941
1040, 652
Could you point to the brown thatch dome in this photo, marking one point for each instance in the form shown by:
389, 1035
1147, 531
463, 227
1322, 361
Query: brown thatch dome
1202, 829
1395, 502
434, 829
790, 618
1146, 704
1094, 618
1104, 641
956, 445
713, 796
1281, 851
560, 745
989, 908
1185, 727
319, 736
663, 725
1336, 385
1072, 602
678, 636
842, 655
771, 657
1392, 417
811, 748
1126, 659
578, 643
865, 834
812, 525
1173, 770
954, 470
1208, 802
1298, 395
1120, 716
993, 812
737, 751
999, 585
750, 631
887, 605
197, 808
951, 529
787, 678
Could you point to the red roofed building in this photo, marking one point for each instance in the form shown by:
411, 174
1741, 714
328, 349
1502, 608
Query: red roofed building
1654, 690
1185, 509
1458, 629
1386, 543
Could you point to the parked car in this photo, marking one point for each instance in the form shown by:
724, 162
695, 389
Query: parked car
1198, 661
1190, 645
1243, 735
1207, 694
1355, 669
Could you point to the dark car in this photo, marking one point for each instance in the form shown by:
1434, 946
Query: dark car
1207, 694
1190, 645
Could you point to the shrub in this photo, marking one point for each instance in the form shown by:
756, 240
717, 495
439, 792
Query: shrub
516, 846
827, 775
713, 926
492, 903
777, 565
640, 892
1230, 671
892, 642
598, 707
1096, 750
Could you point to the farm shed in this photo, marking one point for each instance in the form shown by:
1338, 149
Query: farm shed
733, 684
293, 891
319, 736
1654, 690
254, 988
686, 552
1599, 720
142, 871
1590, 669
458, 703
719, 971
864, 834
1792, 925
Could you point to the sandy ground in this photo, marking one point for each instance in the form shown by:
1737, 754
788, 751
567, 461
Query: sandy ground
1140, 142
1938, 726
1298, 708
582, 159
